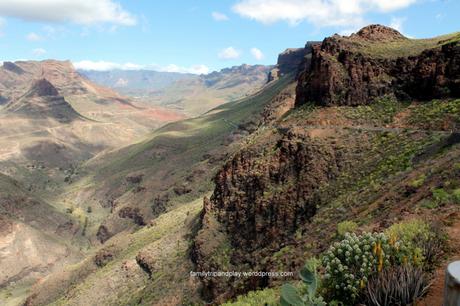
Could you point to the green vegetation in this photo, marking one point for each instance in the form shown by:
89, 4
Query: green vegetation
418, 182
436, 114
456, 195
350, 262
379, 112
403, 47
308, 294
440, 196
364, 268
404, 284
266, 297
346, 227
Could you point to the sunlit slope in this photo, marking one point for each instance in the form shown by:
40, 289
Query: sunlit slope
174, 165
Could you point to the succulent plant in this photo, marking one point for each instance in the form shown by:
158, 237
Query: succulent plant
306, 296
349, 264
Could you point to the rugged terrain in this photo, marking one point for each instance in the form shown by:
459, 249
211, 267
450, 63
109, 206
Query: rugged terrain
375, 142
52, 120
349, 150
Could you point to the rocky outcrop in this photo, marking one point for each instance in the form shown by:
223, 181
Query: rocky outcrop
103, 234
344, 72
103, 257
133, 214
378, 33
262, 197
291, 60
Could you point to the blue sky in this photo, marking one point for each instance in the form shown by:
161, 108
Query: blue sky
198, 35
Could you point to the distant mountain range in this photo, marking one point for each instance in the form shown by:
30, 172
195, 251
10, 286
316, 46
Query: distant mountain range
189, 93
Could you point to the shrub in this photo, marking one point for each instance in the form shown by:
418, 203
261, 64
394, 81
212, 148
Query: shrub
440, 196
346, 227
456, 195
422, 243
349, 263
417, 183
425, 203
308, 295
400, 285
410, 233
266, 297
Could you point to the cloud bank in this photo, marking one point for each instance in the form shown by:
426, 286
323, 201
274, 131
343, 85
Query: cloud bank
84, 12
321, 13
107, 66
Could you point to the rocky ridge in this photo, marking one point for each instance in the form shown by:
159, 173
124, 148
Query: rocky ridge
343, 73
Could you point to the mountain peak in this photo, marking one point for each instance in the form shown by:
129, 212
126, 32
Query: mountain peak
377, 32
43, 88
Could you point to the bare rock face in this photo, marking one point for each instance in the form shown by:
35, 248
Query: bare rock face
291, 60
343, 73
43, 88
133, 214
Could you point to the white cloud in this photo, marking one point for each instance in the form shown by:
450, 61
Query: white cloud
321, 13
229, 53
257, 54
33, 37
219, 16
106, 66
85, 12
196, 69
397, 23
39, 52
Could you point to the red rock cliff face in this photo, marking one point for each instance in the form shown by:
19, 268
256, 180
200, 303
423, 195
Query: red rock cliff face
265, 199
342, 73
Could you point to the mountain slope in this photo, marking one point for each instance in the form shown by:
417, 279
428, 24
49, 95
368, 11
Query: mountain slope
191, 94
278, 201
35, 236
43, 101
286, 170
158, 182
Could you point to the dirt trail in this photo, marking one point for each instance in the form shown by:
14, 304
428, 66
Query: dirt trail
436, 294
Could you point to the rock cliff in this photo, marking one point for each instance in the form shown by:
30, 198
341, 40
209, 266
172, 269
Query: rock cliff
379, 61
292, 61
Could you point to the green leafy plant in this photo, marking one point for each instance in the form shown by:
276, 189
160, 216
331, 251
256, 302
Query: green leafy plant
399, 285
417, 183
308, 294
440, 196
349, 263
456, 195
421, 243
266, 297
346, 227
